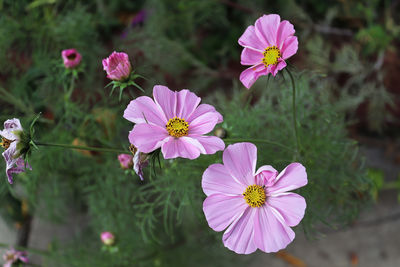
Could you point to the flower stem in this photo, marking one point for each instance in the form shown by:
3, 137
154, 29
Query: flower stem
294, 111
99, 149
71, 87
232, 140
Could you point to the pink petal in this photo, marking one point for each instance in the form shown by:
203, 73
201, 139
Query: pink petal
221, 210
202, 109
240, 160
166, 99
289, 47
250, 57
144, 110
270, 234
147, 137
240, 235
186, 103
10, 126
266, 175
211, 144
292, 177
290, 205
203, 124
184, 147
285, 30
249, 39
250, 75
267, 27
217, 180
279, 66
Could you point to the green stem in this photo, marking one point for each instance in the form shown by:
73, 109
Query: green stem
71, 87
99, 149
294, 111
232, 140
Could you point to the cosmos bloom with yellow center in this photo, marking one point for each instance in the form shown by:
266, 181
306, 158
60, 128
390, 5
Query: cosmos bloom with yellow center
255, 207
267, 46
176, 122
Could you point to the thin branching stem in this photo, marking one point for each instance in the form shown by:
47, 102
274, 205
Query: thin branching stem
99, 149
294, 111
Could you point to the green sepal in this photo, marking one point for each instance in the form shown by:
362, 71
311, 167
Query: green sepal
125, 83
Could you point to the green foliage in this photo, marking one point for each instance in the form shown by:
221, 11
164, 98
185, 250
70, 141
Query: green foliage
186, 44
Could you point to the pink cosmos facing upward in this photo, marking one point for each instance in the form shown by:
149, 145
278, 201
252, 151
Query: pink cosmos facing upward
9, 141
254, 207
71, 58
13, 256
175, 122
267, 45
117, 66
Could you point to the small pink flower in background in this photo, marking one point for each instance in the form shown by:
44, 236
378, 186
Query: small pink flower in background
107, 238
13, 256
117, 66
266, 47
126, 161
175, 122
255, 207
9, 141
71, 58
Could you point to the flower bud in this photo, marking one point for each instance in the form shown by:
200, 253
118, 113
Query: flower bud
117, 66
71, 58
126, 161
107, 238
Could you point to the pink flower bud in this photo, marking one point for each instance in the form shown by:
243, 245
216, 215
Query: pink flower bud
107, 238
71, 58
117, 66
126, 161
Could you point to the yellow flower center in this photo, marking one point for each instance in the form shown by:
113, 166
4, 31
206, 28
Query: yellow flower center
5, 143
255, 196
177, 127
271, 56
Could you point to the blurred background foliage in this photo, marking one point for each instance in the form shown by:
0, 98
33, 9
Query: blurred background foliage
346, 72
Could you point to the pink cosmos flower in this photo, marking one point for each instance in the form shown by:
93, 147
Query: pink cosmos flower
117, 66
71, 58
175, 122
9, 141
254, 206
107, 238
126, 161
13, 256
266, 47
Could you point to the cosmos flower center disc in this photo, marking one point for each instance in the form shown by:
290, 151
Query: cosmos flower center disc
177, 127
271, 55
5, 143
255, 196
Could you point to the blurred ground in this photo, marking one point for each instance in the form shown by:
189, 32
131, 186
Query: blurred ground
374, 240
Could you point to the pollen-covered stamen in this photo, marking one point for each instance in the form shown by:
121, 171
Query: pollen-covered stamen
255, 196
5, 143
271, 55
177, 127
133, 149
